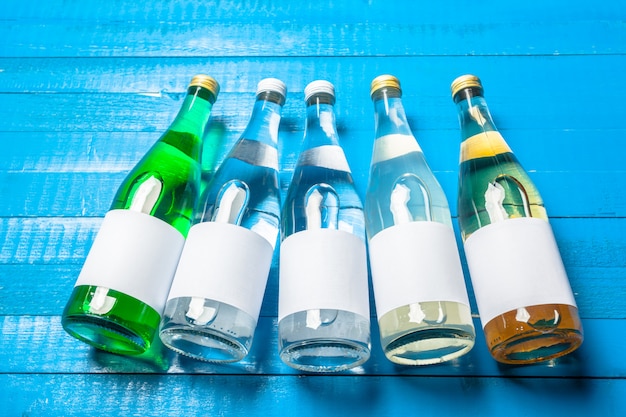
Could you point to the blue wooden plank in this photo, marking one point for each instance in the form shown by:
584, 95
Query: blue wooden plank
213, 38
112, 395
490, 11
507, 78
61, 354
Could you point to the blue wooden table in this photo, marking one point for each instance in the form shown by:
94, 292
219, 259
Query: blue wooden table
87, 86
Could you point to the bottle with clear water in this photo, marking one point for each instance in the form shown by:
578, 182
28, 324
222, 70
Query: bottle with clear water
323, 306
215, 299
421, 300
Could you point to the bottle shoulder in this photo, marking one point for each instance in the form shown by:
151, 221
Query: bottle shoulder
255, 152
325, 156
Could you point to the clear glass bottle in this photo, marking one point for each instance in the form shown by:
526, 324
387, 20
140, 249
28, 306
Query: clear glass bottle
323, 299
120, 293
421, 300
526, 305
215, 299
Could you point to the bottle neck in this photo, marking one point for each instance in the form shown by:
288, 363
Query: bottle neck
473, 113
194, 113
265, 119
389, 115
320, 128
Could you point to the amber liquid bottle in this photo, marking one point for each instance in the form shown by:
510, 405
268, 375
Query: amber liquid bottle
526, 305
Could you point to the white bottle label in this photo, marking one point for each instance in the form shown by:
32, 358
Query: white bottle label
226, 263
516, 263
392, 146
136, 254
415, 262
323, 269
325, 156
255, 153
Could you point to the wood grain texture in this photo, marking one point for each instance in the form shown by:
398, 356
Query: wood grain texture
322, 11
308, 39
240, 396
87, 86
354, 28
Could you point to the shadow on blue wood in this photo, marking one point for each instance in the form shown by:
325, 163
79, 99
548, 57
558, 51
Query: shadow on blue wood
38, 395
57, 352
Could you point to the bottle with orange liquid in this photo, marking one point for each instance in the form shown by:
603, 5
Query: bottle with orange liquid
526, 305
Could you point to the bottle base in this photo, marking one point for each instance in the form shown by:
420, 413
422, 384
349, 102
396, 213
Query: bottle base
105, 335
429, 347
534, 347
427, 333
207, 330
324, 340
324, 355
534, 334
204, 345
106, 325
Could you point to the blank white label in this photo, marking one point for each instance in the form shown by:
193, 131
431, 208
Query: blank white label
413, 263
516, 263
323, 269
326, 156
394, 145
226, 263
136, 254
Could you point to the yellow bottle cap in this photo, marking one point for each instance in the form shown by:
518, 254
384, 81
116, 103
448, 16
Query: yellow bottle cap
383, 81
201, 80
465, 81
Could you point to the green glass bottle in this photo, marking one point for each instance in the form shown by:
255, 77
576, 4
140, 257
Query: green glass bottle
526, 305
120, 293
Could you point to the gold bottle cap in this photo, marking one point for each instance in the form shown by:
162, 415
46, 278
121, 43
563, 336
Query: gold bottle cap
383, 81
465, 81
207, 82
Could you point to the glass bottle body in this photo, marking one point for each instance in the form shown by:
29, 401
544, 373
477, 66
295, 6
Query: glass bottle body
495, 192
233, 239
110, 307
323, 225
402, 190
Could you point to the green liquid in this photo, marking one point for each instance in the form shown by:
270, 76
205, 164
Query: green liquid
172, 161
521, 197
128, 327
164, 184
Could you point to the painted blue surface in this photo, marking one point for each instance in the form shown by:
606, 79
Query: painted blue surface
87, 86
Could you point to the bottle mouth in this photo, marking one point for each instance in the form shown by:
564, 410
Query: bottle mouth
384, 81
205, 81
317, 87
465, 81
272, 85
